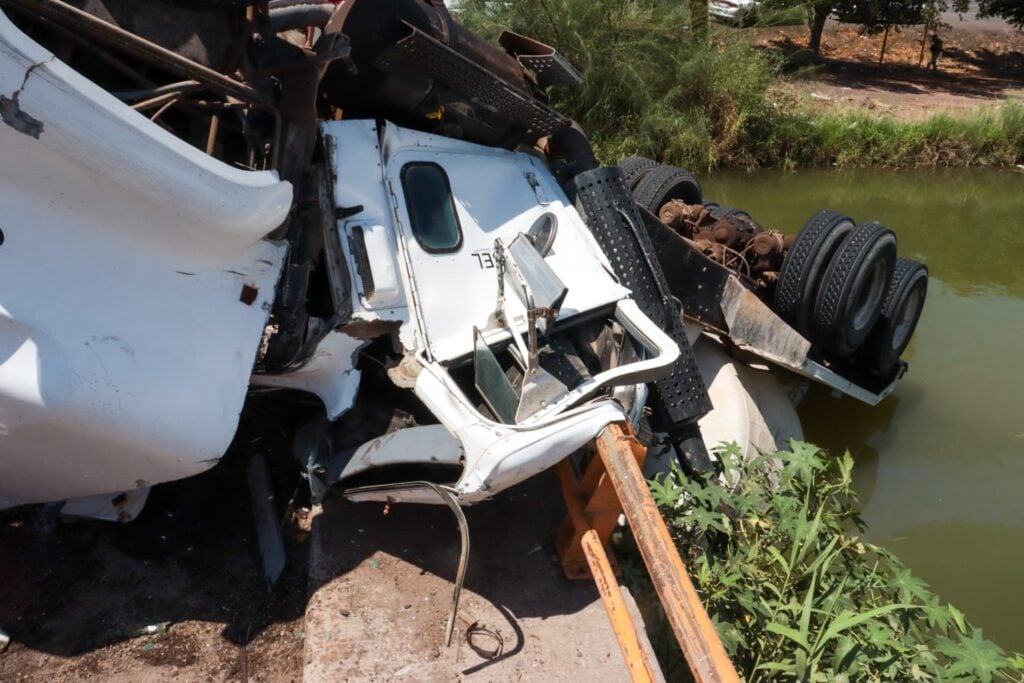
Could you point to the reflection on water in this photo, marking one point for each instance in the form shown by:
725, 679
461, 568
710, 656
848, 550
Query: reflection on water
940, 464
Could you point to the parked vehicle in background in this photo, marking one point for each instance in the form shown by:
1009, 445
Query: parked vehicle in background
739, 12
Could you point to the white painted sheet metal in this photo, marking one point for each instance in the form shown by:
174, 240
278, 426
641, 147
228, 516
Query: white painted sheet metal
125, 347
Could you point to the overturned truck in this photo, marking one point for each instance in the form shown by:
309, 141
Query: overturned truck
359, 225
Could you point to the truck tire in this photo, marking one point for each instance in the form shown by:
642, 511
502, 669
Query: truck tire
635, 168
853, 288
721, 212
807, 259
710, 205
665, 183
901, 310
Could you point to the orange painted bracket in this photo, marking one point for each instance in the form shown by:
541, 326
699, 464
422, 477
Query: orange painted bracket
594, 499
589, 549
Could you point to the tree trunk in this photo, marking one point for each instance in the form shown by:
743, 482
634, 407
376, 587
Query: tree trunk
924, 39
699, 21
885, 40
816, 22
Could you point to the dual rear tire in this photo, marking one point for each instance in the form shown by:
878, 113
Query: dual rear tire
842, 286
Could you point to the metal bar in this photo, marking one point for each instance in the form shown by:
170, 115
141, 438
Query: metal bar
137, 95
211, 137
83, 22
604, 577
170, 103
691, 624
157, 101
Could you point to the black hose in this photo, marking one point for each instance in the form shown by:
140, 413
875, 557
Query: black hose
297, 14
575, 147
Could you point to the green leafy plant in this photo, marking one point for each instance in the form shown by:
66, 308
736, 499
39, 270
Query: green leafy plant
797, 595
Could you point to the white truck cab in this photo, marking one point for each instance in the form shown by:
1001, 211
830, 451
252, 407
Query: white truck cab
431, 230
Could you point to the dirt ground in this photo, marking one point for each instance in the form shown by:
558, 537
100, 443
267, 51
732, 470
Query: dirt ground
380, 585
982, 63
177, 594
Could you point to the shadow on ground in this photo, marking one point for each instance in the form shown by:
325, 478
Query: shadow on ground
71, 589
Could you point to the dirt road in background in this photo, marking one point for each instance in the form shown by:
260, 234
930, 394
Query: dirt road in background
982, 63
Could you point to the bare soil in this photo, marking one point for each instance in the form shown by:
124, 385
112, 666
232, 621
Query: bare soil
178, 594
381, 590
982, 63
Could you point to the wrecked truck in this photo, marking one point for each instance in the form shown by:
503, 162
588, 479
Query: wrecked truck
358, 206
295, 254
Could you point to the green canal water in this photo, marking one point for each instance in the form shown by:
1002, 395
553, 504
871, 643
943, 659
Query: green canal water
940, 463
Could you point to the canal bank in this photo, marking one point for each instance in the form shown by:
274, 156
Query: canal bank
940, 463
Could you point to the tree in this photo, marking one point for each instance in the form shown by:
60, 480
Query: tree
882, 16
817, 15
1011, 10
817, 12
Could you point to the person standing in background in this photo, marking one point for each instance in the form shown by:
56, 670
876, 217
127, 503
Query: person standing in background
936, 49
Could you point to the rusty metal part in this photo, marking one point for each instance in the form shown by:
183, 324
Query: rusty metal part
619, 451
85, 23
767, 243
139, 95
704, 235
589, 543
685, 219
211, 136
735, 232
726, 232
167, 105
673, 214
275, 144
767, 249
157, 101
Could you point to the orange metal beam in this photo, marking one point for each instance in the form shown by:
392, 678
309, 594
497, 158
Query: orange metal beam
637, 663
601, 508
708, 660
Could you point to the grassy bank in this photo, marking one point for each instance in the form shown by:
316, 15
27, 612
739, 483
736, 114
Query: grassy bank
650, 91
797, 596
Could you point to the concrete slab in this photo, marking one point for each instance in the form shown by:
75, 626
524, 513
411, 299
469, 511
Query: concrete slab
380, 582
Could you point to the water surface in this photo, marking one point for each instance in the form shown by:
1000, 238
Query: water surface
940, 464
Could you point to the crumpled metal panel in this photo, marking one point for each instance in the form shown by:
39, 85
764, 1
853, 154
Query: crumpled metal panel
420, 54
611, 214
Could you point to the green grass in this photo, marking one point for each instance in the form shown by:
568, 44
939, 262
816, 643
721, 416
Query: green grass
993, 136
796, 595
650, 90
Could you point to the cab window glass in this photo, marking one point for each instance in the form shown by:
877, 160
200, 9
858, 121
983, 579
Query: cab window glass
428, 196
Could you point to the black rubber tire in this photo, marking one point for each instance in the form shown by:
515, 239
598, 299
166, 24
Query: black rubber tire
806, 261
901, 310
665, 183
710, 205
211, 5
852, 290
721, 212
635, 168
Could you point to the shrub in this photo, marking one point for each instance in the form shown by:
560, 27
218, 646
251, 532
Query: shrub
650, 90
796, 595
